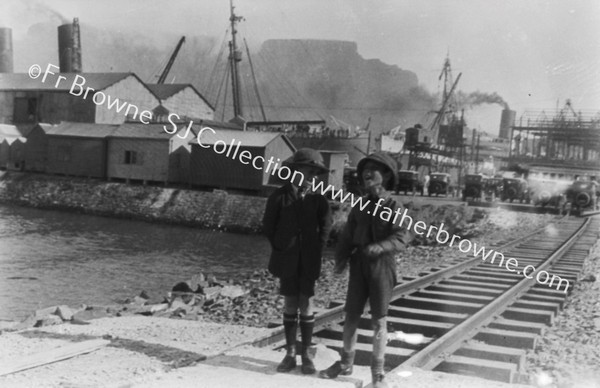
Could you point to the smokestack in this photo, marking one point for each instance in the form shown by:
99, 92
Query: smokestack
69, 47
507, 121
6, 51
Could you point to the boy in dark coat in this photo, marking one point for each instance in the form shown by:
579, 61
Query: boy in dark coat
297, 223
370, 241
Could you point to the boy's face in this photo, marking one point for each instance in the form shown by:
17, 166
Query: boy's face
375, 176
309, 173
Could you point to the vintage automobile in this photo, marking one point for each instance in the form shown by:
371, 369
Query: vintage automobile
583, 194
409, 181
493, 188
439, 183
515, 189
547, 193
475, 185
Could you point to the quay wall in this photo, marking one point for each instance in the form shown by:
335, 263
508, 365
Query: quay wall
208, 210
214, 210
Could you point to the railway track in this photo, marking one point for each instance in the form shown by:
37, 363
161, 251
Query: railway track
480, 317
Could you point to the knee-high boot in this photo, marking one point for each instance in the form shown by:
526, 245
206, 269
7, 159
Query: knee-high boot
290, 325
307, 324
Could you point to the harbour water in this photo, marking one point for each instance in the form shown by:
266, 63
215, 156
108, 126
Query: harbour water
49, 258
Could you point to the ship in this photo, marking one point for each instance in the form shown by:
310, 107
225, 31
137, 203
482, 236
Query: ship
306, 126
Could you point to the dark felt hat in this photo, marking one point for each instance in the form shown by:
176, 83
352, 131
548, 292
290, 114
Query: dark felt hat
307, 157
384, 160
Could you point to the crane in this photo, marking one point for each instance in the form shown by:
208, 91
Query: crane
165, 72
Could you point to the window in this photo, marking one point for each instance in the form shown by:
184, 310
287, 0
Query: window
63, 153
133, 157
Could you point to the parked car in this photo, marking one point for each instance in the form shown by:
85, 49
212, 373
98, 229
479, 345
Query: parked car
583, 194
515, 189
493, 188
547, 193
409, 181
439, 183
475, 185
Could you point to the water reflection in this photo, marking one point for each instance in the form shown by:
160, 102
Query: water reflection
49, 257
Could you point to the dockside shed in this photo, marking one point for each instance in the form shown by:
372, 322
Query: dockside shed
36, 148
148, 153
78, 149
335, 161
211, 169
111, 98
12, 147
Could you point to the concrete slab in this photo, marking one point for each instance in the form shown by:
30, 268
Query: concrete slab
251, 367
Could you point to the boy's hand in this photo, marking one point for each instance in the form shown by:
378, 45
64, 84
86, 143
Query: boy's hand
374, 250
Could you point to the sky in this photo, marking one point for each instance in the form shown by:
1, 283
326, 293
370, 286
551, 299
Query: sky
535, 54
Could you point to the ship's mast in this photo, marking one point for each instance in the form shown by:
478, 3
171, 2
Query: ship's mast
235, 56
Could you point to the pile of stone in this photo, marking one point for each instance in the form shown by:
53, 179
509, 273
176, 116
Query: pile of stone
248, 301
49, 316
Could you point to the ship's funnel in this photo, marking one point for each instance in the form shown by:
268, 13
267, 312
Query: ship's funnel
507, 121
69, 47
6, 51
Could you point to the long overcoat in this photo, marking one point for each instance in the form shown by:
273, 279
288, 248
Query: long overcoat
297, 229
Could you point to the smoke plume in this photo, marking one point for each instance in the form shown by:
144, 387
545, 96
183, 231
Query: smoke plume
478, 98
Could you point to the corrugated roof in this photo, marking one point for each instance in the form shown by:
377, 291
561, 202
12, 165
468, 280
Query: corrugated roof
45, 127
82, 129
247, 138
96, 81
164, 91
9, 130
11, 139
145, 131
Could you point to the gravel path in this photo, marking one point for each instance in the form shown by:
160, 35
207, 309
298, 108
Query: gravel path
568, 355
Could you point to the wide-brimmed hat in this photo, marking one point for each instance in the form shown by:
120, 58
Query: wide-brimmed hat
384, 160
306, 157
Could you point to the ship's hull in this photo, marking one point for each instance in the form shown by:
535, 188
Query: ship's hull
355, 147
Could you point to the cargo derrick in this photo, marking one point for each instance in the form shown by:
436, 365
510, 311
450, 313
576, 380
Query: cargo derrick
440, 146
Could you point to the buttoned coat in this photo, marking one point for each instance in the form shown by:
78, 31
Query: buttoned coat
363, 225
297, 229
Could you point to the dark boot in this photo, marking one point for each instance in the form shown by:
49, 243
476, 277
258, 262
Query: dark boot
307, 324
377, 373
339, 368
379, 381
290, 325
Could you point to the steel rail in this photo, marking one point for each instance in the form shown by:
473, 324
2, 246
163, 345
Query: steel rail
429, 357
329, 316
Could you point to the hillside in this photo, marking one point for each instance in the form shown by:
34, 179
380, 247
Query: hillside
324, 78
